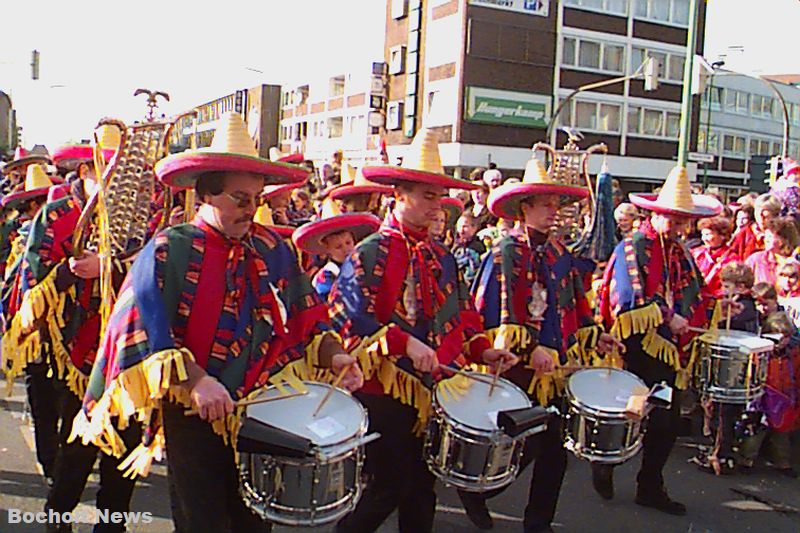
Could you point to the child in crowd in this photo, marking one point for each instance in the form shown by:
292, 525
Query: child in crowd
766, 298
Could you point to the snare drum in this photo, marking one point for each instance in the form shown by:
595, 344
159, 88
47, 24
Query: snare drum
732, 366
314, 490
463, 445
596, 426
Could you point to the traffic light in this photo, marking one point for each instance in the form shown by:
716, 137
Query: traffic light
35, 65
759, 173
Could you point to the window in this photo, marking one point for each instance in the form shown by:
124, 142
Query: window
399, 8
653, 122
716, 97
742, 101
755, 104
595, 116
670, 64
609, 117
586, 115
766, 106
669, 11
336, 86
593, 55
335, 127
734, 145
394, 114
676, 65
730, 101
673, 125
397, 59
589, 55
634, 119
615, 7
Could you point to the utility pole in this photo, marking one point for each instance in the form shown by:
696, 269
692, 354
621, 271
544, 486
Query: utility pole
686, 102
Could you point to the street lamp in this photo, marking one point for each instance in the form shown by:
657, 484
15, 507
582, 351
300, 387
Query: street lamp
714, 66
648, 69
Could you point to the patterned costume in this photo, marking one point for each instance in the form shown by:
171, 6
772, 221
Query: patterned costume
747, 240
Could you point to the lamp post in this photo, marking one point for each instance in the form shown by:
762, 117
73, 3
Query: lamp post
686, 101
714, 66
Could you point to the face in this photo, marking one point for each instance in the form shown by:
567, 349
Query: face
776, 244
625, 222
437, 226
232, 211
742, 219
479, 196
669, 225
465, 229
299, 202
541, 212
339, 245
788, 279
766, 306
418, 204
763, 217
711, 238
494, 182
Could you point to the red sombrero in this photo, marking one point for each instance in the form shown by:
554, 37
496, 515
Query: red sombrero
354, 182
504, 201
37, 184
421, 164
263, 216
231, 150
22, 157
453, 207
676, 198
271, 191
71, 155
309, 236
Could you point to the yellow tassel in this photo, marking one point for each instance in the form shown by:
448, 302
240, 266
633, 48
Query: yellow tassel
138, 462
660, 348
513, 337
637, 321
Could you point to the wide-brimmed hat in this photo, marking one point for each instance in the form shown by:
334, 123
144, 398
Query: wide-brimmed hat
275, 154
69, 156
421, 164
353, 183
453, 207
676, 198
23, 157
263, 216
310, 236
37, 184
232, 150
504, 201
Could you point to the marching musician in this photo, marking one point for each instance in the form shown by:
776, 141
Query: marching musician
531, 292
401, 301
652, 292
55, 309
210, 312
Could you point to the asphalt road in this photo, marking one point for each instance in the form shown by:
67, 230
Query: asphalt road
762, 501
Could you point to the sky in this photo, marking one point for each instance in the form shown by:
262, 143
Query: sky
95, 54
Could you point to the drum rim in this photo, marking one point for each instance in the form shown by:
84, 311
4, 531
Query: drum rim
573, 399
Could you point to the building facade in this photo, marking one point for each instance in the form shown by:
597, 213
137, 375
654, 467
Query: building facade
340, 112
741, 117
487, 75
260, 107
8, 124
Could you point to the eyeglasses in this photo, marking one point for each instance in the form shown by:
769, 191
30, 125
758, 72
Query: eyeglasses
242, 201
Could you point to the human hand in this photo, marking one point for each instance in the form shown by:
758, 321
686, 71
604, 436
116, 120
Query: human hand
678, 325
353, 378
211, 399
87, 267
542, 361
422, 356
502, 358
608, 344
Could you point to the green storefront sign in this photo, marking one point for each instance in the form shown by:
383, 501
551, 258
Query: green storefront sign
501, 107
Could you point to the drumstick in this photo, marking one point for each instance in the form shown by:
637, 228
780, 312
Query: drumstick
494, 380
330, 391
698, 330
465, 374
254, 401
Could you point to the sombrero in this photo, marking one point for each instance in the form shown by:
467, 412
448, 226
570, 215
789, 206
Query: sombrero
676, 198
22, 157
37, 184
263, 216
231, 150
453, 207
69, 156
421, 164
354, 182
309, 237
504, 201
276, 155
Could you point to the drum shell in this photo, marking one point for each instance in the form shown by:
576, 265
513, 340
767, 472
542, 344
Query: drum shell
723, 374
601, 437
468, 458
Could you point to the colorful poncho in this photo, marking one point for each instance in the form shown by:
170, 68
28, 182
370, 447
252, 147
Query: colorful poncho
531, 297
48, 303
634, 297
269, 329
399, 283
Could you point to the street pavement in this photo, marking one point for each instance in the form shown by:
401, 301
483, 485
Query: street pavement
762, 501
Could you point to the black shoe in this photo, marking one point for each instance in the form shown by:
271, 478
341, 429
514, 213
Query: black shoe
660, 500
475, 506
603, 480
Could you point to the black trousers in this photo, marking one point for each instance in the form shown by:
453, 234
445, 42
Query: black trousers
74, 463
43, 399
662, 424
203, 479
399, 477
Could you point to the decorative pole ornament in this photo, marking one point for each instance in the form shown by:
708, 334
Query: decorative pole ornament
152, 100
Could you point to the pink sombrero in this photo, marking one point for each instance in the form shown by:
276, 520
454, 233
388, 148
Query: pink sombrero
37, 184
231, 150
504, 201
354, 182
309, 236
22, 157
421, 164
453, 207
676, 198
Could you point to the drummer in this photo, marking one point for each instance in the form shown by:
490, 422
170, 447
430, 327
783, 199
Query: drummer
219, 308
401, 298
531, 292
652, 292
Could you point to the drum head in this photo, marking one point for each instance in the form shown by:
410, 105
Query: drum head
741, 340
603, 389
340, 419
477, 409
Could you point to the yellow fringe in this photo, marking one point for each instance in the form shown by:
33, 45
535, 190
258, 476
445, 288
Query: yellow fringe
512, 337
660, 348
637, 321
